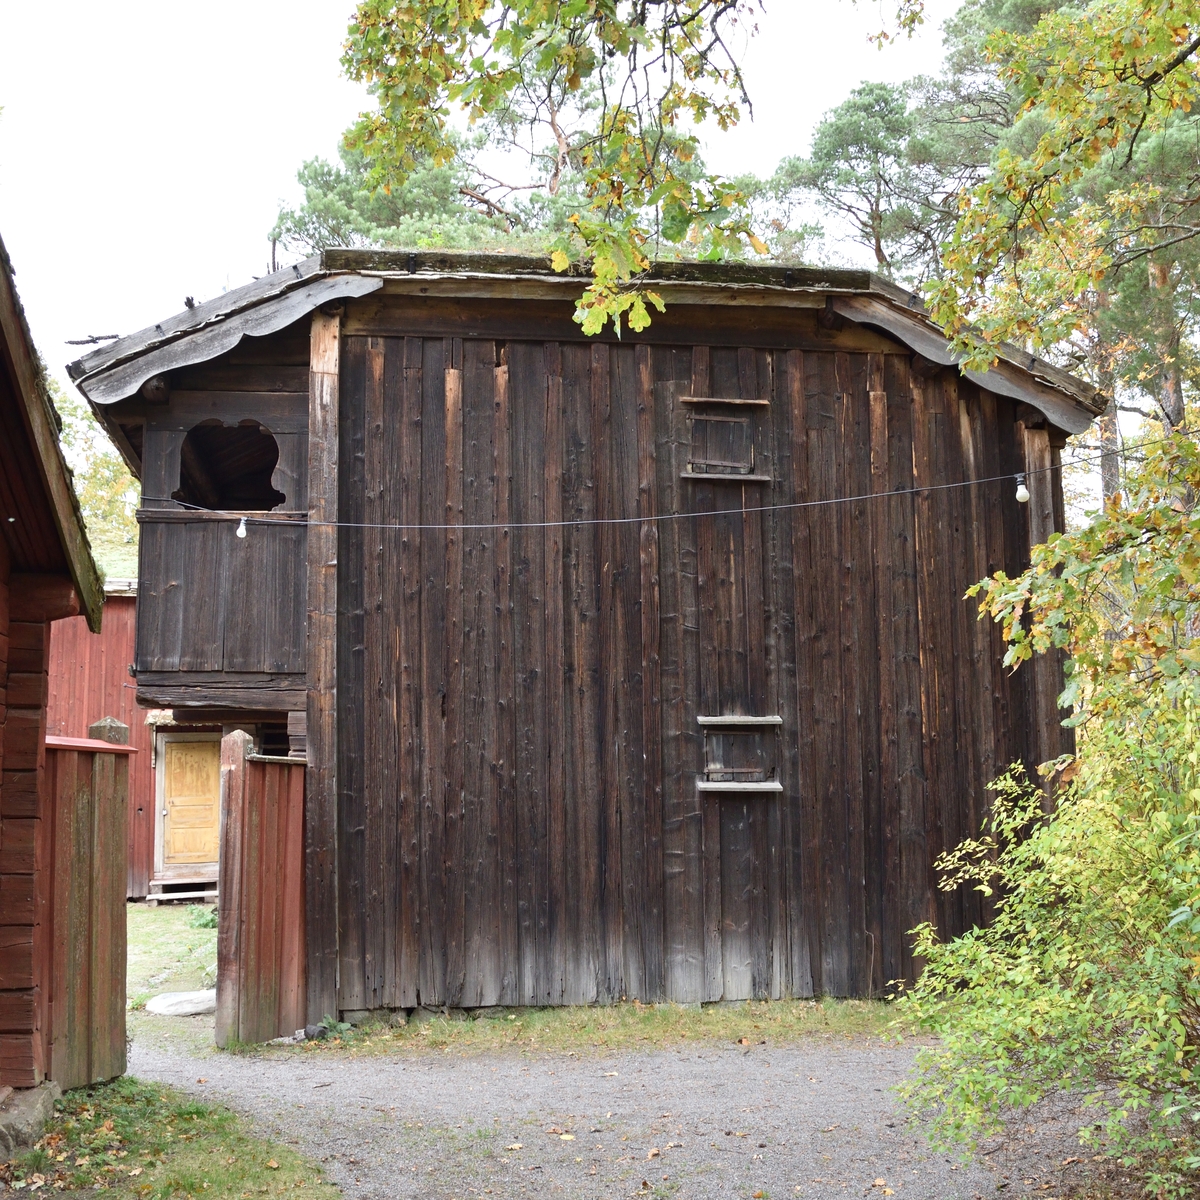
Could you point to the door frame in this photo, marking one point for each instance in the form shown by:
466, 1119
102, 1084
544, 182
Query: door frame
184, 871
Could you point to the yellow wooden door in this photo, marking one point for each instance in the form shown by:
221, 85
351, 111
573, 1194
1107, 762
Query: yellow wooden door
192, 803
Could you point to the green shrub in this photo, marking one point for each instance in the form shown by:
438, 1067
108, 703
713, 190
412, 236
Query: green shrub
201, 918
1088, 978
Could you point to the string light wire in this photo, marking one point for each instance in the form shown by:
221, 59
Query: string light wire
468, 526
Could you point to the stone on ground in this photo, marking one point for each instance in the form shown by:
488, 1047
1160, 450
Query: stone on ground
183, 1004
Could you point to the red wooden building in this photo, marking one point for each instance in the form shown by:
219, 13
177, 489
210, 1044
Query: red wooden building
62, 802
89, 680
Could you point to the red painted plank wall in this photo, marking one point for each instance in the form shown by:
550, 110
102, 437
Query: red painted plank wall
260, 939
89, 680
22, 763
81, 901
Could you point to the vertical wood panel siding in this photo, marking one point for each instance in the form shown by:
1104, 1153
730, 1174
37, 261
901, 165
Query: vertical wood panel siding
260, 940
518, 740
89, 679
82, 893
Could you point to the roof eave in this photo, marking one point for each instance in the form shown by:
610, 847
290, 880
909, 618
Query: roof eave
116, 371
34, 395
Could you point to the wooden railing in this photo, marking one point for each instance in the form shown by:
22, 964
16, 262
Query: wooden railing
260, 934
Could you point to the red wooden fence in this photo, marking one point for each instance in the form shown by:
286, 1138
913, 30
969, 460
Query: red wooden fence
81, 902
89, 679
260, 935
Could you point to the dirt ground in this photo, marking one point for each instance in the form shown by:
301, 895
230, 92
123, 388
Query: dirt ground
815, 1118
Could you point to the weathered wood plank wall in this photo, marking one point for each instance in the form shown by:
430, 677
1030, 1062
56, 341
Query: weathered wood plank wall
221, 619
89, 679
518, 736
260, 940
82, 894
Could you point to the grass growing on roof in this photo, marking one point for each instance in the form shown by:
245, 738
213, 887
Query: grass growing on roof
600, 1028
143, 1140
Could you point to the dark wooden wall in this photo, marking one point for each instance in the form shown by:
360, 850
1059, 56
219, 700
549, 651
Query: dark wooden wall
89, 679
518, 739
221, 619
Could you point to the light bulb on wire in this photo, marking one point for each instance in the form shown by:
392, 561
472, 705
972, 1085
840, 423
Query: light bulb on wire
241, 529
1022, 490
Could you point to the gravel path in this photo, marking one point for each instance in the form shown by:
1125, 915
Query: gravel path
714, 1123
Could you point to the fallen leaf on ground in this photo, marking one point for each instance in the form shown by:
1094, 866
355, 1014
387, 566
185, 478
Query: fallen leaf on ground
609, 1074
554, 1129
566, 1137
515, 1146
273, 1164
743, 1041
136, 1171
655, 1152
829, 1128
880, 1183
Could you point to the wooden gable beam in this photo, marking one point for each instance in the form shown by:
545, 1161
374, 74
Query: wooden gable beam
321, 786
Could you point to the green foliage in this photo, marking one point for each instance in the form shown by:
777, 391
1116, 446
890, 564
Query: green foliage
432, 208
199, 917
1099, 87
108, 493
332, 1025
604, 97
1089, 976
890, 161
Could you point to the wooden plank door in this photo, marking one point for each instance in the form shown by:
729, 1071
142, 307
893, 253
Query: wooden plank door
190, 811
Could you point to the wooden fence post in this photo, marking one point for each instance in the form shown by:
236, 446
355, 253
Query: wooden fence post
109, 729
86, 871
260, 926
234, 748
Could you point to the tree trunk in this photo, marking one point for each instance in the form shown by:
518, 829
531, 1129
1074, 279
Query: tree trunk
1170, 385
1110, 447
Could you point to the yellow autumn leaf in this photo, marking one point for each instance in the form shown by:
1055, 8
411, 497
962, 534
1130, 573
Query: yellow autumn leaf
559, 261
760, 247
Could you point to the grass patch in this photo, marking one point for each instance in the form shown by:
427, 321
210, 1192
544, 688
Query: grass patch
142, 1140
596, 1029
171, 949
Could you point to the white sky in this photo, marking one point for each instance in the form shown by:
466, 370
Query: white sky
146, 145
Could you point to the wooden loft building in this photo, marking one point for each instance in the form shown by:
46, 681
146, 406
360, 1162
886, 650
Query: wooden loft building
627, 668
56, 903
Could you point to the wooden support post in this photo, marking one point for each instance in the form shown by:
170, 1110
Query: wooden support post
1047, 668
109, 729
320, 805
